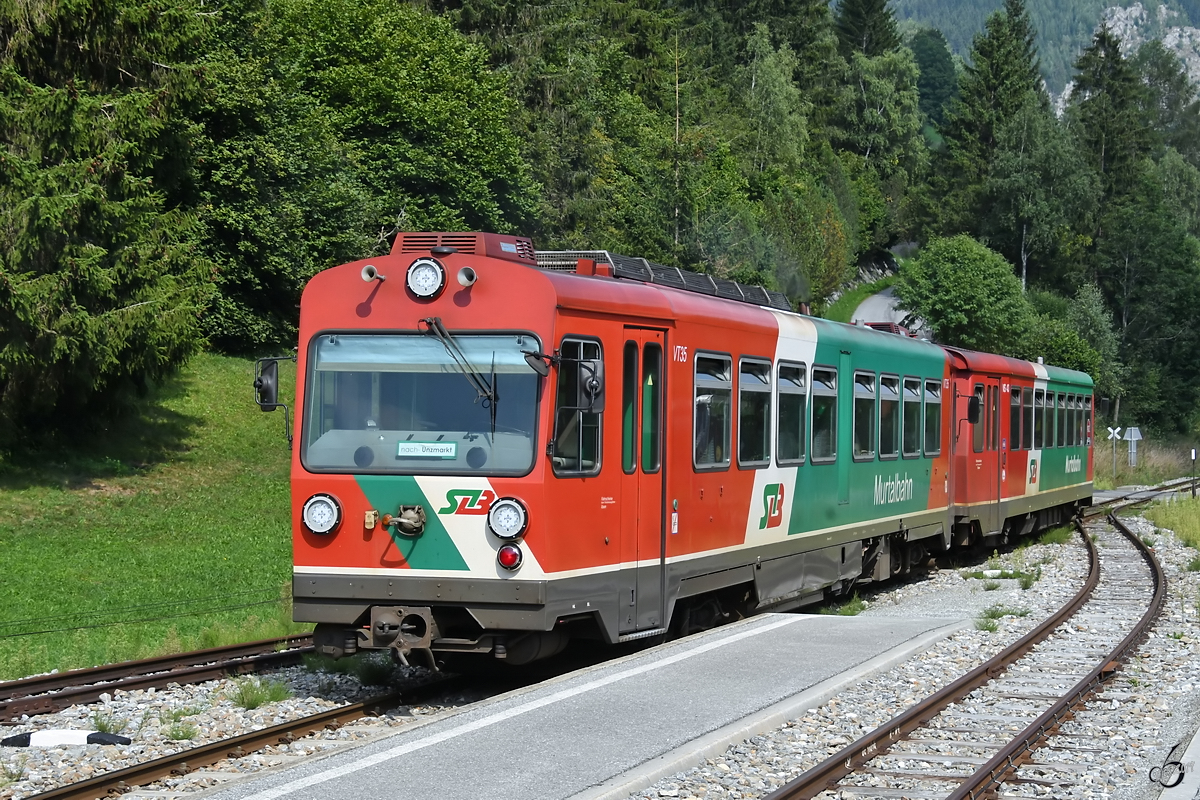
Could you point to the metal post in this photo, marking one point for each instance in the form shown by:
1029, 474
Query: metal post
1193, 473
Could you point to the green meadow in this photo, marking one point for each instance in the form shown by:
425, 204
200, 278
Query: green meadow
167, 531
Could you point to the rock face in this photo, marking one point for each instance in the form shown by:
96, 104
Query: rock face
1136, 25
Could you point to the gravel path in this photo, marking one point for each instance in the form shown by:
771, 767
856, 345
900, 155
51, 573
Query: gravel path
1150, 707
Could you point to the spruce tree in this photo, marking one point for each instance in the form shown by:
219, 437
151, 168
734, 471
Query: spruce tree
866, 27
937, 83
1002, 76
1107, 106
101, 286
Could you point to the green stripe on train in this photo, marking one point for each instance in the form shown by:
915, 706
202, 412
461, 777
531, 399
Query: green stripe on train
433, 549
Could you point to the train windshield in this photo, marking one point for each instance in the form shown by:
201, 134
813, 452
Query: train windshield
416, 404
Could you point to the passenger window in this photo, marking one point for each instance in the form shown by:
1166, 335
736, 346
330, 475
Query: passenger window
1039, 419
912, 417
651, 408
978, 429
629, 378
864, 415
1014, 418
713, 417
1087, 413
1071, 420
889, 417
754, 413
824, 411
933, 418
1062, 420
576, 448
792, 401
1027, 427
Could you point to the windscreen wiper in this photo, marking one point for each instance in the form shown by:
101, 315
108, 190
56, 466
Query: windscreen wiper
483, 388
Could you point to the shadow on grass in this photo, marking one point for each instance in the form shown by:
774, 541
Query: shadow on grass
86, 452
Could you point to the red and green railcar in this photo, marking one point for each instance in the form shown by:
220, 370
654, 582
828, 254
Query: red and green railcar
499, 449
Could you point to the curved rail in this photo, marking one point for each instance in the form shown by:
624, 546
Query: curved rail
826, 774
985, 780
44, 694
994, 772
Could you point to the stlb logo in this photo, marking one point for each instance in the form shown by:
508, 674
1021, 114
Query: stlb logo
468, 501
772, 506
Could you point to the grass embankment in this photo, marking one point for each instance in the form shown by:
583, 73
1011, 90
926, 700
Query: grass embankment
167, 532
1181, 516
1157, 462
843, 309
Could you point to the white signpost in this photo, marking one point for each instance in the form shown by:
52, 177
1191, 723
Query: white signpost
1133, 436
1113, 435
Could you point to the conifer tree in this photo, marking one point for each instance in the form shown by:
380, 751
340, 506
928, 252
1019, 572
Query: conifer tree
1001, 77
1107, 106
100, 283
937, 83
866, 27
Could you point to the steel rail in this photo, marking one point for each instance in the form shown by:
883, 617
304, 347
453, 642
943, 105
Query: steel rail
186, 761
1100, 508
827, 774
44, 694
984, 781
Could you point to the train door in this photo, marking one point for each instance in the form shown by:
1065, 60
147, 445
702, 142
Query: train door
986, 454
643, 479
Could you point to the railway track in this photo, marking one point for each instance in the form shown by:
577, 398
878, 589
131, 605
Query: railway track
1136, 497
979, 736
45, 694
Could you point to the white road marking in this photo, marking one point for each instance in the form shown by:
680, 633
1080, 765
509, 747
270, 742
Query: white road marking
501, 716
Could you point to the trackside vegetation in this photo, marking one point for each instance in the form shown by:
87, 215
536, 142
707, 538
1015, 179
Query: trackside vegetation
166, 532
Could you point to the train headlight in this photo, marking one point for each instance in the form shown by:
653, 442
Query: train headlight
321, 513
426, 278
509, 556
507, 518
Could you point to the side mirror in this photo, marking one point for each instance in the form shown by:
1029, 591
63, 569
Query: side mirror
591, 385
266, 389
266, 384
537, 363
1104, 402
974, 410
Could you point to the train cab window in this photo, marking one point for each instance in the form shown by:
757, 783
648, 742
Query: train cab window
629, 384
864, 415
1014, 418
792, 400
576, 444
713, 412
754, 413
978, 429
1039, 419
652, 408
889, 416
1027, 426
912, 417
1062, 420
824, 415
933, 418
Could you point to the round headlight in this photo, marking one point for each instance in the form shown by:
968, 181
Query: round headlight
507, 518
321, 513
426, 278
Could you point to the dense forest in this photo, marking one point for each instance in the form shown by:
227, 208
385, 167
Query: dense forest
1064, 26
172, 172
